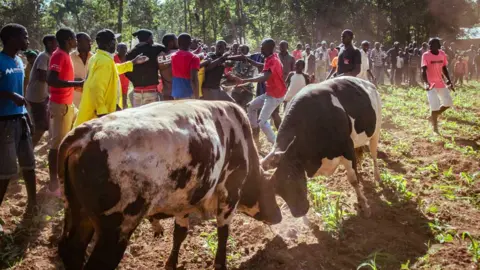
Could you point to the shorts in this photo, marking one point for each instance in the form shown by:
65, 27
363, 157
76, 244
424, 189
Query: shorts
140, 99
15, 143
62, 117
39, 114
438, 97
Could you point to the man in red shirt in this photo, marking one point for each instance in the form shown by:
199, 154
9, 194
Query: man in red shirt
62, 111
120, 57
185, 66
272, 75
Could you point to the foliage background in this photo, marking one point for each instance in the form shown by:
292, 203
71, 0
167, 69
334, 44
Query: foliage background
249, 21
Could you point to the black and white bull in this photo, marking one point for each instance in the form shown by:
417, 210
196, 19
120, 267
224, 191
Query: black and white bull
323, 126
157, 161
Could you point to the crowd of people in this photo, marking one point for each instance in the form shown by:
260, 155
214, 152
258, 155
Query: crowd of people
67, 84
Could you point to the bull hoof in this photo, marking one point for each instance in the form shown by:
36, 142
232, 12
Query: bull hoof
364, 211
168, 266
220, 267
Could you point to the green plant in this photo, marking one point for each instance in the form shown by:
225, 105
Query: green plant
371, 263
328, 204
449, 174
443, 233
469, 179
211, 244
398, 184
473, 248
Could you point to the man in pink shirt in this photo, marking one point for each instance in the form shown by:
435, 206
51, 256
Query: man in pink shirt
434, 63
297, 54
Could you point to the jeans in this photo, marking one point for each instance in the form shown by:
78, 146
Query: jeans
267, 105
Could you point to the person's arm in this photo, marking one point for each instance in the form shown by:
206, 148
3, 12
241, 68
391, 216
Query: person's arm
307, 79
54, 81
292, 64
287, 81
128, 66
332, 72
255, 63
56, 64
263, 77
11, 95
42, 68
194, 82
447, 75
217, 62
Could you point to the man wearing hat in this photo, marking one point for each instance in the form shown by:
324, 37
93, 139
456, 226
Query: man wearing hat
145, 77
102, 91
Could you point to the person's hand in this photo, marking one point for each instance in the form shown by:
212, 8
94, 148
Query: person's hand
450, 85
426, 86
225, 55
140, 59
19, 100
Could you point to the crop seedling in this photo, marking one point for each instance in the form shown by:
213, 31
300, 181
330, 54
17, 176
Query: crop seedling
473, 248
211, 242
328, 204
372, 262
398, 184
443, 233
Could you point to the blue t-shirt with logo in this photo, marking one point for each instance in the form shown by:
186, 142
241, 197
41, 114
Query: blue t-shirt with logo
12, 74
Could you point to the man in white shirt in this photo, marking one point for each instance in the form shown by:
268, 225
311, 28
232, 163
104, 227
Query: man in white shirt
365, 72
80, 59
378, 56
321, 56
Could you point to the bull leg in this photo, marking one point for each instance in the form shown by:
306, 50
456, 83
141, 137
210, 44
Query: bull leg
224, 218
221, 256
77, 234
353, 177
179, 235
373, 151
113, 234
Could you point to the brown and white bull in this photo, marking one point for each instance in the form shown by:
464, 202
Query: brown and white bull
157, 161
323, 126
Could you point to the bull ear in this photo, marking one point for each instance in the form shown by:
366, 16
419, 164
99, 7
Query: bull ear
273, 158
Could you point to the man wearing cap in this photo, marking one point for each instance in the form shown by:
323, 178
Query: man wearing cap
102, 90
80, 58
145, 77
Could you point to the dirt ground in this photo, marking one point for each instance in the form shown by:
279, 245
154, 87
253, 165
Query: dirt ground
417, 222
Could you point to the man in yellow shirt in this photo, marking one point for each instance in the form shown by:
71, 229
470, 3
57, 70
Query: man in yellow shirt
101, 91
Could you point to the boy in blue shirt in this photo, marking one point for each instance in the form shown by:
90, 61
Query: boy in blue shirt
15, 125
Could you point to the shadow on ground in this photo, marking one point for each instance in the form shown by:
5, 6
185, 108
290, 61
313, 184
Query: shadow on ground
398, 230
14, 245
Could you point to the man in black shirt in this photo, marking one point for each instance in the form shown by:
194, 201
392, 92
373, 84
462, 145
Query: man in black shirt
214, 70
145, 77
349, 59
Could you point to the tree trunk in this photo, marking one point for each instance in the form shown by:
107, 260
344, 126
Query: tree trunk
203, 22
185, 14
120, 19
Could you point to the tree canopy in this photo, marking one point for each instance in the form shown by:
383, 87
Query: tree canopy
249, 21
